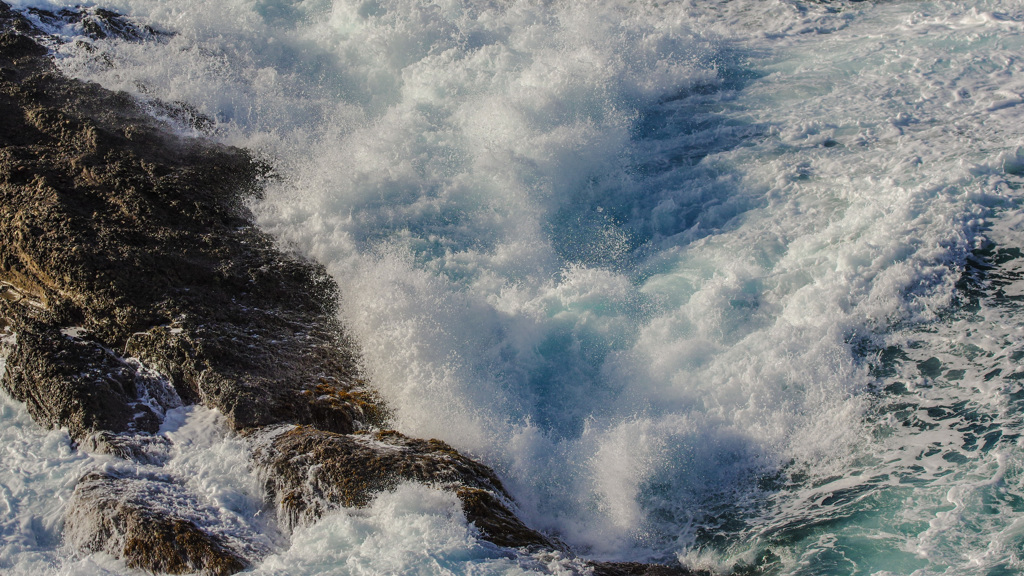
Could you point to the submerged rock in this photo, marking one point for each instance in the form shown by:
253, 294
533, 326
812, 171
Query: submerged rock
151, 523
142, 448
94, 23
311, 471
640, 569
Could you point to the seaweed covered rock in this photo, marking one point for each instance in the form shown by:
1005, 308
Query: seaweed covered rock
150, 522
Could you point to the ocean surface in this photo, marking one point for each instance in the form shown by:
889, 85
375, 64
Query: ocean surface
737, 283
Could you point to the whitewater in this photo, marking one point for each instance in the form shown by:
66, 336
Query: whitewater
736, 283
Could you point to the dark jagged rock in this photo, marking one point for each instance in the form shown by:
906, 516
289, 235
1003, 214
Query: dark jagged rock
142, 448
69, 381
141, 237
639, 569
310, 471
139, 240
95, 23
150, 523
15, 22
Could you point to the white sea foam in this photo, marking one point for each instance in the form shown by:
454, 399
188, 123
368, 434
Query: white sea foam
41, 469
413, 530
631, 255
39, 472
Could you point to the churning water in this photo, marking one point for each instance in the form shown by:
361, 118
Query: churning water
734, 282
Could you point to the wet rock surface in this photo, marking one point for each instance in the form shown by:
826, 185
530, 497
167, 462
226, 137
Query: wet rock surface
111, 223
639, 569
134, 280
67, 381
150, 522
94, 22
311, 471
141, 448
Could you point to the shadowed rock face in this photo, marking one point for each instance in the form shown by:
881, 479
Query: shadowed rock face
135, 281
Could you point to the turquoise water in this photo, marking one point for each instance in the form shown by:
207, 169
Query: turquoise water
733, 283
